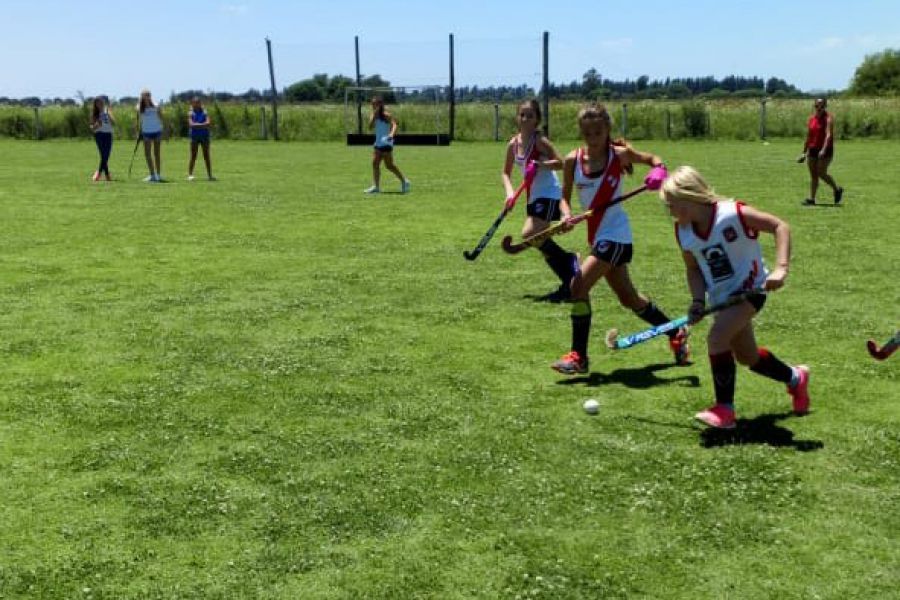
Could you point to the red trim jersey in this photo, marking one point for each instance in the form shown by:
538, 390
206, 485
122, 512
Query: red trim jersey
546, 183
596, 191
727, 251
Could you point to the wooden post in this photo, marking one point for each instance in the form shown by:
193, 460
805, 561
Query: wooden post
274, 90
452, 92
762, 119
263, 129
358, 84
668, 124
546, 83
496, 122
624, 119
37, 123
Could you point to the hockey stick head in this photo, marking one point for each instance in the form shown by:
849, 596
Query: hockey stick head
472, 254
611, 336
511, 248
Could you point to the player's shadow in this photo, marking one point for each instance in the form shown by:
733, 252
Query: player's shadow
763, 429
634, 377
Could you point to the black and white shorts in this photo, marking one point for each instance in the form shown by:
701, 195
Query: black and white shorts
544, 208
614, 253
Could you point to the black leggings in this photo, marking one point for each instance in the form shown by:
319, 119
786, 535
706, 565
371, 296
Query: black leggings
104, 145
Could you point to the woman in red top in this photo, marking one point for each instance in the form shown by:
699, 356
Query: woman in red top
818, 150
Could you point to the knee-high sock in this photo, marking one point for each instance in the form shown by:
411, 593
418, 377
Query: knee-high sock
651, 314
723, 371
772, 367
562, 263
581, 326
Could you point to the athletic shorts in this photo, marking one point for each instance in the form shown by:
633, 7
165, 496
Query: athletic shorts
384, 149
544, 208
614, 253
200, 139
757, 300
813, 153
151, 135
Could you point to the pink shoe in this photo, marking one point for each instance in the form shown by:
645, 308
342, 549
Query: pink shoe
718, 416
95, 176
800, 392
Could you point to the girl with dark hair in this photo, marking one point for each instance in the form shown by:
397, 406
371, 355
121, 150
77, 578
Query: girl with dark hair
150, 121
385, 127
101, 124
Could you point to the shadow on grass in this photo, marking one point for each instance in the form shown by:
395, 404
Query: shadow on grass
634, 377
764, 429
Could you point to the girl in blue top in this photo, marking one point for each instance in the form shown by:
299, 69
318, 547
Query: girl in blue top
199, 123
385, 127
102, 123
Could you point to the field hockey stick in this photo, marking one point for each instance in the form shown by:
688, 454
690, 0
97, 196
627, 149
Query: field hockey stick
538, 238
883, 352
133, 154
530, 172
616, 342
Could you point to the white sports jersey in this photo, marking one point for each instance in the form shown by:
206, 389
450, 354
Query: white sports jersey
728, 252
614, 225
546, 183
150, 121
383, 133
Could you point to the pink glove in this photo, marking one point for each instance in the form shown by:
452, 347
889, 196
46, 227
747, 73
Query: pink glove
655, 177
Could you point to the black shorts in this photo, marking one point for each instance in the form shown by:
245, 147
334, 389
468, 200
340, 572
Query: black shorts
544, 208
614, 253
384, 149
813, 153
757, 301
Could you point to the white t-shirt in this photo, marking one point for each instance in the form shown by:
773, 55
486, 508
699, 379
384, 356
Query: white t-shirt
546, 183
105, 123
150, 121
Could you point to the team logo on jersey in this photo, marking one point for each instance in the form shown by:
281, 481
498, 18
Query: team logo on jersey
717, 260
729, 234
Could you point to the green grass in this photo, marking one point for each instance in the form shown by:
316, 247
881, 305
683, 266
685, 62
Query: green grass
272, 386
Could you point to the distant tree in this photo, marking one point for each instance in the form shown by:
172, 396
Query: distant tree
304, 91
879, 74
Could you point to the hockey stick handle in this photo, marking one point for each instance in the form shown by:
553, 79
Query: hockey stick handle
507, 208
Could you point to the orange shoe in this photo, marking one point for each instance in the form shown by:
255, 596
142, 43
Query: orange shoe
571, 364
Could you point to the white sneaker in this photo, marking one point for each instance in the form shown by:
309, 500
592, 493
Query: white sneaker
371, 190
404, 187
212, 178
150, 178
190, 177
158, 178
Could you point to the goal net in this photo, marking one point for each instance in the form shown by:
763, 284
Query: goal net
420, 111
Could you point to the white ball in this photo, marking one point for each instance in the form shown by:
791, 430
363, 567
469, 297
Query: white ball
591, 406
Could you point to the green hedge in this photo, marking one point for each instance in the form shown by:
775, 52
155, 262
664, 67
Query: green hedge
646, 119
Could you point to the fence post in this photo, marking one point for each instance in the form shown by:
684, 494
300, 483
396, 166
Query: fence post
762, 119
496, 122
263, 132
708, 122
668, 124
37, 123
624, 119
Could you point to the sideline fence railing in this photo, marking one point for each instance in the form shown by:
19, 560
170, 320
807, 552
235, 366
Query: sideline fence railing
486, 121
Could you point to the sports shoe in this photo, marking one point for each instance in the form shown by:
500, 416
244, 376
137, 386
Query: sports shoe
108, 177
838, 195
211, 178
809, 202
560, 294
371, 190
718, 416
95, 176
190, 177
800, 392
571, 364
680, 347
405, 186
157, 178
150, 178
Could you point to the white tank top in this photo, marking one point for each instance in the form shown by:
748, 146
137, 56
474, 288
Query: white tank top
150, 121
728, 252
546, 183
105, 123
615, 226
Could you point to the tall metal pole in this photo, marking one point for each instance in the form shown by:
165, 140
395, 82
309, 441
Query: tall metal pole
452, 92
546, 83
274, 90
358, 84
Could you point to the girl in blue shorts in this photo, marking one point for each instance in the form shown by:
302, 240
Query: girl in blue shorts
150, 121
385, 127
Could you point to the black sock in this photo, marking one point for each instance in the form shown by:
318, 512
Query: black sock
770, 366
562, 263
651, 314
723, 371
581, 326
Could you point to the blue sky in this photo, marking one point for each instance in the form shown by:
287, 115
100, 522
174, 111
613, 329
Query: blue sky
62, 47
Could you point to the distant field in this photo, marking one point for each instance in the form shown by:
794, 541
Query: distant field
273, 386
728, 119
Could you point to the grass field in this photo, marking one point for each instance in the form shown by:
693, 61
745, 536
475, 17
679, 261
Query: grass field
272, 386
